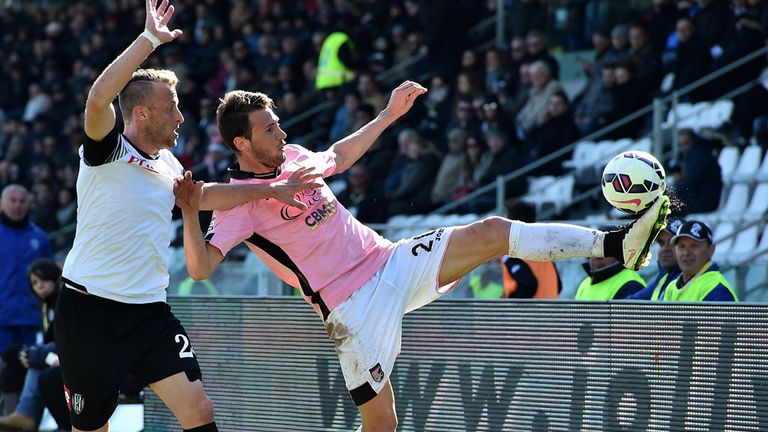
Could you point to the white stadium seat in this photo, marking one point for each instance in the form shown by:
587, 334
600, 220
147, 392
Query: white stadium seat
728, 158
762, 172
737, 200
744, 245
583, 155
759, 203
749, 163
643, 144
721, 231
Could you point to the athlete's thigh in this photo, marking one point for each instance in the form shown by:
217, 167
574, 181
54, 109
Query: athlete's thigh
186, 399
379, 413
472, 245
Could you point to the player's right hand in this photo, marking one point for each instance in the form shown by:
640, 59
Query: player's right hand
158, 18
288, 190
187, 192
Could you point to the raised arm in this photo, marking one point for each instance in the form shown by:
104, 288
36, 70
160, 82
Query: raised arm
99, 112
348, 150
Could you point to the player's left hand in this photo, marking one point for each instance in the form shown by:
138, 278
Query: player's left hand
187, 192
402, 98
288, 190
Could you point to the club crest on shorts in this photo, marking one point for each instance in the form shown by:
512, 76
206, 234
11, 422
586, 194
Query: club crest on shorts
78, 402
377, 373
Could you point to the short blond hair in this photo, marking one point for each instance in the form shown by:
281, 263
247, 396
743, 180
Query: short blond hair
139, 89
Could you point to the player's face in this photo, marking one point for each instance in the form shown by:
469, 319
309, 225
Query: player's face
267, 139
162, 129
667, 257
692, 254
43, 288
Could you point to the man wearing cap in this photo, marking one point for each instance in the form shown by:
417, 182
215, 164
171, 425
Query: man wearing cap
607, 279
700, 278
667, 261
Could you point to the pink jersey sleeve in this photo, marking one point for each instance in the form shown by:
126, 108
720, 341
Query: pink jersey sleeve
229, 228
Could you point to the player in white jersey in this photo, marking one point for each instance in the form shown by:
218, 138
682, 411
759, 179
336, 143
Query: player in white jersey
360, 283
112, 318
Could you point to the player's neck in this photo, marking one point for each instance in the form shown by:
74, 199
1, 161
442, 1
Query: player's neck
139, 141
253, 166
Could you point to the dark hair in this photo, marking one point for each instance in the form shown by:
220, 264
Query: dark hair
45, 269
138, 91
233, 111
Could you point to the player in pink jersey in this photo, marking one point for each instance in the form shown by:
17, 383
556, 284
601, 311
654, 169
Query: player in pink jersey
359, 283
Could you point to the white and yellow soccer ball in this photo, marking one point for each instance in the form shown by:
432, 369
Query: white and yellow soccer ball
632, 181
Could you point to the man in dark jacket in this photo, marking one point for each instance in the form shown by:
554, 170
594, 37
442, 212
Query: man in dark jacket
700, 182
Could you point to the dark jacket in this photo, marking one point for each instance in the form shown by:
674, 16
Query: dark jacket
701, 185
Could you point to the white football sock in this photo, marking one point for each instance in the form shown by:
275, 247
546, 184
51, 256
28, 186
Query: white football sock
552, 241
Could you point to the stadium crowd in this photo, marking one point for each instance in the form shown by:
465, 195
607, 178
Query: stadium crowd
488, 111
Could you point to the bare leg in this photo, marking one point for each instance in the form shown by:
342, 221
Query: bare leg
186, 400
379, 413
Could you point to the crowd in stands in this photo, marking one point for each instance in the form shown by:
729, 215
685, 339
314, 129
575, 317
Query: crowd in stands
488, 112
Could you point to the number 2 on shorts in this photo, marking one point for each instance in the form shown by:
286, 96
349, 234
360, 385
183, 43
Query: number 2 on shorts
183, 353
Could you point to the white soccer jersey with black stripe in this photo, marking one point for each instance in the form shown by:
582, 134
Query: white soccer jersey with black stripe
125, 199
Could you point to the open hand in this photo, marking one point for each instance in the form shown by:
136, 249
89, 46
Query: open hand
402, 98
302, 180
158, 18
187, 192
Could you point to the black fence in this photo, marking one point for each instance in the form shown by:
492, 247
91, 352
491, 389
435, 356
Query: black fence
469, 365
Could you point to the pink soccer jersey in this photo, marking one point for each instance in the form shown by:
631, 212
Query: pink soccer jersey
324, 250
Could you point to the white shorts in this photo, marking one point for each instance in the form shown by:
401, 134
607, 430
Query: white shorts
366, 328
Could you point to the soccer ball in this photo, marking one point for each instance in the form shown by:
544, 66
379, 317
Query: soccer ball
632, 181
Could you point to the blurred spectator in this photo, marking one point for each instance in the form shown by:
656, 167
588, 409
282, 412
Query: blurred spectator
497, 76
23, 242
699, 183
619, 46
370, 92
494, 119
31, 361
216, 162
593, 110
700, 278
557, 130
544, 85
465, 118
527, 15
628, 97
438, 108
538, 50
607, 279
712, 21
666, 262
748, 36
343, 122
662, 23
449, 174
476, 162
362, 199
691, 58
335, 66
524, 278
645, 55
412, 195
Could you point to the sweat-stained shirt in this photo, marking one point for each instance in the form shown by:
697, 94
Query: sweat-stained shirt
324, 250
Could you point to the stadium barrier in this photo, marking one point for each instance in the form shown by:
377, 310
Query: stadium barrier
470, 365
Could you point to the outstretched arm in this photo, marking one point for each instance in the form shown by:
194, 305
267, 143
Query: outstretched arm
99, 112
348, 150
218, 196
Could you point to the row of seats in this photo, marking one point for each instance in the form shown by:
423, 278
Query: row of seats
594, 155
745, 165
698, 116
